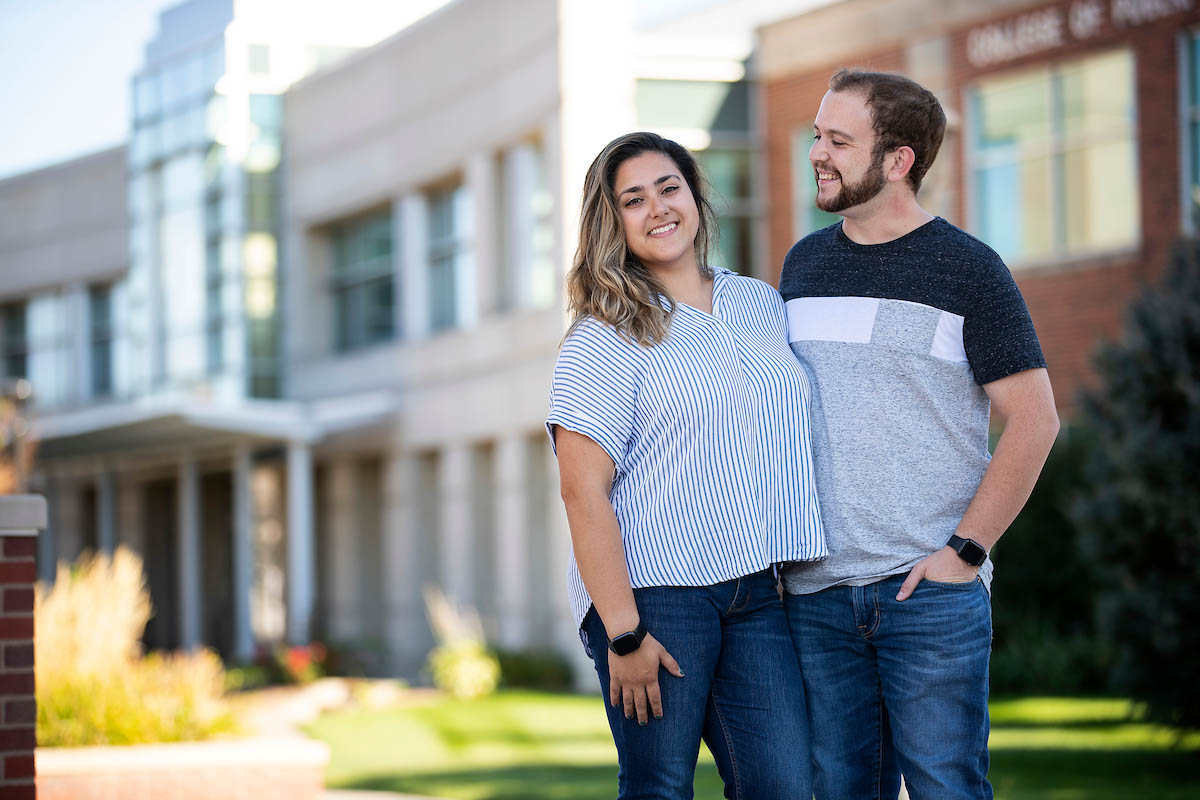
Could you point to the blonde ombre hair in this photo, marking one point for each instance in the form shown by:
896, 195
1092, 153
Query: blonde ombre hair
607, 281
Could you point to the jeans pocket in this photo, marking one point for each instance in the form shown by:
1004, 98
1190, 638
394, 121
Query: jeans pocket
953, 584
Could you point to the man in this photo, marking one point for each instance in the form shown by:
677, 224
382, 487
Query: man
911, 331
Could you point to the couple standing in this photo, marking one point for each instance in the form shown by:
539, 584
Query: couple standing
698, 417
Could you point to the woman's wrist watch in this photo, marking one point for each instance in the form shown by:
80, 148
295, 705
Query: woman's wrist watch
629, 641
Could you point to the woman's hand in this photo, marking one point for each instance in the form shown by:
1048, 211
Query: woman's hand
633, 679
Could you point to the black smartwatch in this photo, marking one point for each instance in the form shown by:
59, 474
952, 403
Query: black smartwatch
627, 642
968, 550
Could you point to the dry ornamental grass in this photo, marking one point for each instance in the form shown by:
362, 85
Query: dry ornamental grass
94, 684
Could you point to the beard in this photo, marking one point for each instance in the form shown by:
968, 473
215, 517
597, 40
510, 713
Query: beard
855, 194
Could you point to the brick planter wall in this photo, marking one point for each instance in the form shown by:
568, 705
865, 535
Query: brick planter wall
248, 769
21, 518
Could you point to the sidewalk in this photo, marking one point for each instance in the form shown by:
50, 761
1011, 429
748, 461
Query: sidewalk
349, 794
280, 711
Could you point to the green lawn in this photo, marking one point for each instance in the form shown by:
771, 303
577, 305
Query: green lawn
530, 746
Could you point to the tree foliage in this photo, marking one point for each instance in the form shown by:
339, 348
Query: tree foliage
1139, 515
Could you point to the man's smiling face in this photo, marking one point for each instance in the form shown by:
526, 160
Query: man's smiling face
848, 170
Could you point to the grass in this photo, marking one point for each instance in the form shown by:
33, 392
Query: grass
536, 746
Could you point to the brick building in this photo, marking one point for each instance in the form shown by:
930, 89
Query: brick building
1071, 147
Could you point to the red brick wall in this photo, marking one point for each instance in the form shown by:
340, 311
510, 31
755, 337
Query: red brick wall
1076, 305
18, 714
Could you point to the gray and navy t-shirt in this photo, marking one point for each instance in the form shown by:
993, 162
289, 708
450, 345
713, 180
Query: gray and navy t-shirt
898, 339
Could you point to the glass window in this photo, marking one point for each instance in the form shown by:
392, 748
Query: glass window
16, 344
1054, 160
48, 355
147, 101
264, 360
266, 111
175, 85
704, 105
806, 217
146, 145
729, 172
101, 317
450, 259
362, 285
1192, 81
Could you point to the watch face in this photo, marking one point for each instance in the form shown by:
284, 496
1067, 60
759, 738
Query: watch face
625, 644
972, 553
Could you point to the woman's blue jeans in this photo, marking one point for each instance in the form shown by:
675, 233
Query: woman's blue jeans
741, 692
896, 687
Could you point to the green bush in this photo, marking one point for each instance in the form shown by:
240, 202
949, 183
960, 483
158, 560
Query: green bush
1043, 614
1140, 515
93, 685
461, 664
535, 669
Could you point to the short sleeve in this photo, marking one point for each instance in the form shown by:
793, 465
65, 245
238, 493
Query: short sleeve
595, 388
998, 333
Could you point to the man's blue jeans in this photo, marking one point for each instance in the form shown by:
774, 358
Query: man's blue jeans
741, 691
896, 687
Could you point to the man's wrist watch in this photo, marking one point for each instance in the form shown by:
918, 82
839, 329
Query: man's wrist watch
968, 550
629, 641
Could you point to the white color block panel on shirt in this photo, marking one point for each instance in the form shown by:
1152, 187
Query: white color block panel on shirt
948, 339
831, 319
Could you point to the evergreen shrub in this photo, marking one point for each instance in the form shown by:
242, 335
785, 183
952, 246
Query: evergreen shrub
1139, 516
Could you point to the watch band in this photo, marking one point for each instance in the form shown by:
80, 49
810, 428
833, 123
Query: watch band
628, 642
968, 550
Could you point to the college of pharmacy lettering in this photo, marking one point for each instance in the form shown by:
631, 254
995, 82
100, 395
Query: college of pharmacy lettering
1046, 29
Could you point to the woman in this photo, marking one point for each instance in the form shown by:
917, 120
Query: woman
679, 416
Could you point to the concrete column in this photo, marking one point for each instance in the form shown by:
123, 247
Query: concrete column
482, 179
106, 510
520, 189
188, 553
512, 578
341, 554
243, 555
47, 553
455, 551
403, 575
414, 215
301, 555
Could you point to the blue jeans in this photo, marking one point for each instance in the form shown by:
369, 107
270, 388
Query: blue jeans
896, 687
741, 692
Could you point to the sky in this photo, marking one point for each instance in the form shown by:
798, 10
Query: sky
65, 67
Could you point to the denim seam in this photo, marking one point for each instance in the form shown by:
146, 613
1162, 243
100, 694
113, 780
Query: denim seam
878, 615
737, 590
879, 750
733, 762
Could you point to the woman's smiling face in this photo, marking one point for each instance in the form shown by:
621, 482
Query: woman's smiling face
658, 211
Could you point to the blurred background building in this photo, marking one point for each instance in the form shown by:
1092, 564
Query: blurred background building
293, 343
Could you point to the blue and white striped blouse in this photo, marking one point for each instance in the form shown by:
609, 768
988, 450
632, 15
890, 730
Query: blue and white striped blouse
709, 434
